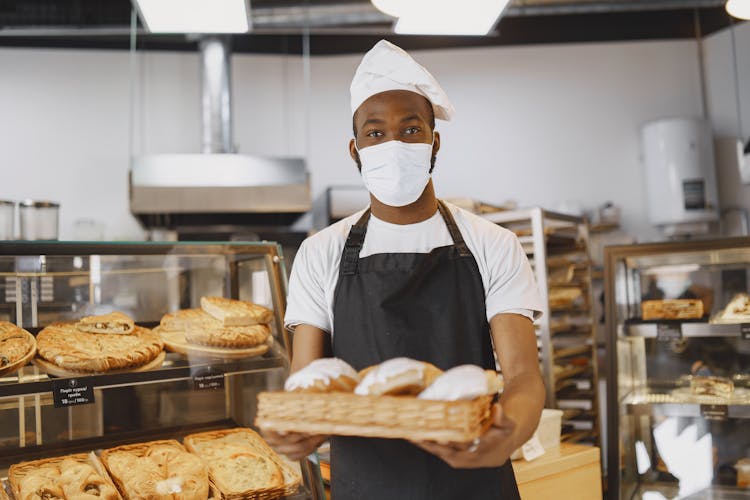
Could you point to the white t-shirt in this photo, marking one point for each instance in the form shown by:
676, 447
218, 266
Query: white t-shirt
508, 280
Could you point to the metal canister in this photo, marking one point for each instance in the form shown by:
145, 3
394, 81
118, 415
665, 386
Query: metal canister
39, 220
7, 220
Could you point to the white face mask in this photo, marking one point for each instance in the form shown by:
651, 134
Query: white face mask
396, 172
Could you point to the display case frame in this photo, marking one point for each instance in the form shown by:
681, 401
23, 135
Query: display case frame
625, 398
30, 389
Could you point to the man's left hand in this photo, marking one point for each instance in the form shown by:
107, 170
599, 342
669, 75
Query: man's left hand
493, 449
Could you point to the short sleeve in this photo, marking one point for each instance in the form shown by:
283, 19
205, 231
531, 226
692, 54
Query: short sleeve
511, 284
306, 300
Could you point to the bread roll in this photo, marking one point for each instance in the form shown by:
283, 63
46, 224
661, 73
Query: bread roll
463, 382
324, 375
397, 376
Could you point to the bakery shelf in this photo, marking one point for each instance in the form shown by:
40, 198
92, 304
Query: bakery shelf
688, 329
566, 352
32, 381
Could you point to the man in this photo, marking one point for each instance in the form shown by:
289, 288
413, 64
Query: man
412, 276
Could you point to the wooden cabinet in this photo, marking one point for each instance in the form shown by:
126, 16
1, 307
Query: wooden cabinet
572, 471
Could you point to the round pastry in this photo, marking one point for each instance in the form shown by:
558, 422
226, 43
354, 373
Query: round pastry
15, 343
461, 383
324, 375
65, 346
397, 376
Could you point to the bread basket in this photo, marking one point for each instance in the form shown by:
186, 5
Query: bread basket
347, 414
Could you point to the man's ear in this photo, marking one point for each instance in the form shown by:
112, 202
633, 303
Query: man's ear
436, 143
354, 153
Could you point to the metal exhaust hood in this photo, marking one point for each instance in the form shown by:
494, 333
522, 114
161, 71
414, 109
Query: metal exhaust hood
217, 186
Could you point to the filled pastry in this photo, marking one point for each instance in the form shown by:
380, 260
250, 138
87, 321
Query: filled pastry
397, 376
65, 346
15, 344
201, 328
159, 470
324, 375
115, 322
71, 477
232, 312
462, 383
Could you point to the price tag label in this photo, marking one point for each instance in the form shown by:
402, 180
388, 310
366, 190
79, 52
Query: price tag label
208, 379
72, 392
745, 331
668, 331
715, 412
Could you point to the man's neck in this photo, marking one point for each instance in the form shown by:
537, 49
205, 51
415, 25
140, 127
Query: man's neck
421, 210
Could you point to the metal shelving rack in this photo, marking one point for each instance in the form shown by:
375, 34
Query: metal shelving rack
557, 245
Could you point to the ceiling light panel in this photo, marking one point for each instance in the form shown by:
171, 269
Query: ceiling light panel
194, 16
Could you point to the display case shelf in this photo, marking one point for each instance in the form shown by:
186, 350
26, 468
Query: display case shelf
688, 329
31, 380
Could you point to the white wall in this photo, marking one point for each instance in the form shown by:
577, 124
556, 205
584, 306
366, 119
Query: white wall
537, 124
723, 108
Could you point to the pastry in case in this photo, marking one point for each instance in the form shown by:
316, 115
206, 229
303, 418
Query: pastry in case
242, 465
70, 477
672, 309
157, 470
236, 312
711, 386
66, 347
115, 322
737, 311
17, 347
201, 328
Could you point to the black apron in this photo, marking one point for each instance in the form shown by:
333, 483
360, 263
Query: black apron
429, 307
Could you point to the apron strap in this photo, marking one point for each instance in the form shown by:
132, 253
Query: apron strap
458, 239
350, 257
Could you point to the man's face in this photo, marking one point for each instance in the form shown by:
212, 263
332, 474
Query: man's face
398, 115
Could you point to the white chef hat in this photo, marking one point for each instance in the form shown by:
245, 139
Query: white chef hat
388, 67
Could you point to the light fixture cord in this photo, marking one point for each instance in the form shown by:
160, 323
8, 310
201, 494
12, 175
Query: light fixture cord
736, 83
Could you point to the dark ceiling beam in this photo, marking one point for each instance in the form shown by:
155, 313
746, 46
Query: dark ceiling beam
511, 30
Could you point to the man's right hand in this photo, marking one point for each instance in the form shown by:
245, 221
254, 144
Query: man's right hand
293, 445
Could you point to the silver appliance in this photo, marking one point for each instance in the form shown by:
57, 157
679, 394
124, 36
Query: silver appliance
39, 220
7, 220
218, 194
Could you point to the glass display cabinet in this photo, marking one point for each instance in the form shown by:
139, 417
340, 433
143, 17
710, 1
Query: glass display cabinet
678, 319
42, 283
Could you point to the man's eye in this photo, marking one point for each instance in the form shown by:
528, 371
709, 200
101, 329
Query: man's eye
374, 133
412, 130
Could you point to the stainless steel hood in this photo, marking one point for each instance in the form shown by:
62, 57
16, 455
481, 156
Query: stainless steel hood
218, 186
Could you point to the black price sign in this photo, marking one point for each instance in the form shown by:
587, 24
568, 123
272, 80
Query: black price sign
208, 379
715, 412
745, 331
72, 392
668, 331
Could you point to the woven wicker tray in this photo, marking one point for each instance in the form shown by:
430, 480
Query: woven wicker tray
246, 437
139, 449
347, 414
18, 471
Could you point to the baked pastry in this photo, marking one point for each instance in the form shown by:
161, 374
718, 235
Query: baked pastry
672, 309
203, 329
397, 376
462, 383
62, 344
159, 470
3, 493
240, 463
115, 322
737, 311
236, 312
564, 297
324, 375
711, 386
15, 343
71, 477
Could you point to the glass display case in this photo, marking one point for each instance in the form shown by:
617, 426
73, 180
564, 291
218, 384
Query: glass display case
43, 283
678, 383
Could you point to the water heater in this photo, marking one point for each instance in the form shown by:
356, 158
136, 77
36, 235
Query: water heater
678, 157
